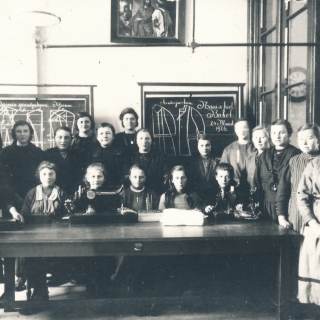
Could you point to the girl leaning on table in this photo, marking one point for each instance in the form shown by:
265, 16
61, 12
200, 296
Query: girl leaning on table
46, 199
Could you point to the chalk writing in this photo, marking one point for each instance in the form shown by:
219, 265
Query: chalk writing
176, 122
44, 115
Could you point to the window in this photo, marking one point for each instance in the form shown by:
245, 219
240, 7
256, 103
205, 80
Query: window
282, 54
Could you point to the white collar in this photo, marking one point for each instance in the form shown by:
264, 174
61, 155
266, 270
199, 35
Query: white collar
53, 195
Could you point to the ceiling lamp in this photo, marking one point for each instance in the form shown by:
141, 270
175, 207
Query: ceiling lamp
39, 19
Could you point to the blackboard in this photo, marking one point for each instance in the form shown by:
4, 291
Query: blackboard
44, 113
176, 120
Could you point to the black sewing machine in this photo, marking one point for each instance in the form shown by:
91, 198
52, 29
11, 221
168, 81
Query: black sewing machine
100, 206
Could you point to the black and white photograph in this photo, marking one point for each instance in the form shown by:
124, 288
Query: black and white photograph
159, 159
147, 21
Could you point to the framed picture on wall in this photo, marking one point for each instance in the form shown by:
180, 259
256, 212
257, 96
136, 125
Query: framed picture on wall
148, 21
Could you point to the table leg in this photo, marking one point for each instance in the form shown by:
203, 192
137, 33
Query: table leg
284, 281
9, 292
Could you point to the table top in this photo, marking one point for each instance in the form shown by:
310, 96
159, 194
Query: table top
149, 231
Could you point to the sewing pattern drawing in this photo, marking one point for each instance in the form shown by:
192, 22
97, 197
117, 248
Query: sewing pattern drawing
60, 118
191, 124
8, 116
164, 129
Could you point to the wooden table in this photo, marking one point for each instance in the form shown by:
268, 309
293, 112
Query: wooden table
63, 240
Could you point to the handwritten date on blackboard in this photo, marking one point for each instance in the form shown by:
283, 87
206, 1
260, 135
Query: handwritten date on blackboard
176, 122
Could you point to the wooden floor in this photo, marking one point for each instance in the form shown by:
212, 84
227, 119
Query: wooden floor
226, 294
226, 308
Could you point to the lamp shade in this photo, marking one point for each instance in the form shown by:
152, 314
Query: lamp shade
35, 18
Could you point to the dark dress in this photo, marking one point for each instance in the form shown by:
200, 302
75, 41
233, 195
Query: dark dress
202, 176
143, 200
20, 164
155, 167
82, 148
124, 140
67, 168
271, 165
113, 159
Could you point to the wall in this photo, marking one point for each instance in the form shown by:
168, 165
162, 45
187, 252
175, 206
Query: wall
116, 71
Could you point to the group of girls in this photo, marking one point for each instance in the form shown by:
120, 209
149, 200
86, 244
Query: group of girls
287, 180
262, 162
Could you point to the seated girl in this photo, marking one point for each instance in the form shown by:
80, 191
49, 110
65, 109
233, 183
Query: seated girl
178, 194
223, 204
95, 204
47, 199
100, 270
138, 196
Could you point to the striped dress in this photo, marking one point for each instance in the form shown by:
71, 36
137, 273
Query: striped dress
287, 190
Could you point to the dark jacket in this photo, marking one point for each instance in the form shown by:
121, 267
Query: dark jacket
266, 177
203, 184
67, 169
21, 164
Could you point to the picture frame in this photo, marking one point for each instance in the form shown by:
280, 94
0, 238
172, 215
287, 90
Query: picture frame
145, 22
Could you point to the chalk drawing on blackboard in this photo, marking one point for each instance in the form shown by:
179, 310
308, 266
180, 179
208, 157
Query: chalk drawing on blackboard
60, 118
10, 115
163, 129
191, 124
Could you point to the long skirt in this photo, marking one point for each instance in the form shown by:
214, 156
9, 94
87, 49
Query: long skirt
293, 214
309, 268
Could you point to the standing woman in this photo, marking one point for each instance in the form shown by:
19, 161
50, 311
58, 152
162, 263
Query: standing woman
83, 142
308, 195
21, 160
151, 160
201, 169
65, 159
308, 141
237, 152
261, 141
129, 121
271, 165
